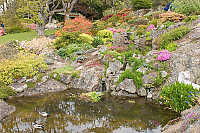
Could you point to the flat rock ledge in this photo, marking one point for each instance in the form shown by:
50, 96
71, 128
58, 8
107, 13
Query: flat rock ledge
46, 87
5, 109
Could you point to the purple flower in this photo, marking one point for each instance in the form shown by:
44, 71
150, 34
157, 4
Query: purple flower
187, 102
164, 55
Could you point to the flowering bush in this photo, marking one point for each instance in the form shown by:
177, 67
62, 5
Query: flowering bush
164, 55
151, 27
78, 24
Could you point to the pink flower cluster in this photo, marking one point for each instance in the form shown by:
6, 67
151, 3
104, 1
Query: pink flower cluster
163, 55
116, 30
2, 32
151, 27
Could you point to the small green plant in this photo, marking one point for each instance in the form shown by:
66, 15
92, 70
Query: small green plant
178, 96
76, 74
171, 47
191, 18
97, 41
175, 34
92, 96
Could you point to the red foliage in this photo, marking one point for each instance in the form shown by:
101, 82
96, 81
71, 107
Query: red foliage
107, 17
78, 24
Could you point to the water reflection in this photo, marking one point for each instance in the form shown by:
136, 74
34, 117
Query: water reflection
70, 115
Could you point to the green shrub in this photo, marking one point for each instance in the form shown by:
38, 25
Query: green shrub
186, 7
175, 34
141, 4
105, 35
6, 91
97, 41
66, 39
23, 65
136, 76
178, 96
154, 22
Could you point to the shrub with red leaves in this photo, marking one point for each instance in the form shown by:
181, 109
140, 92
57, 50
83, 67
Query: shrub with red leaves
78, 24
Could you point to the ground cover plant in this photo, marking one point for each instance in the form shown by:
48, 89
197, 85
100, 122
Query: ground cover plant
168, 37
27, 65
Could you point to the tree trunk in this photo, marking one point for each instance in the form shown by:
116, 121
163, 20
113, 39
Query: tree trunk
40, 29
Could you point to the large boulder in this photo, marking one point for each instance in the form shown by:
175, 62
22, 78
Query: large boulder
90, 79
127, 85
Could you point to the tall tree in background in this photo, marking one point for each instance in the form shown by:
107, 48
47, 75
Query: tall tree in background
40, 12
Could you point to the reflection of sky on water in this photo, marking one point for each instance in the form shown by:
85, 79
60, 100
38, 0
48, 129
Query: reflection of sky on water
74, 116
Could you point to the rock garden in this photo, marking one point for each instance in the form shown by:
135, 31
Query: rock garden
129, 53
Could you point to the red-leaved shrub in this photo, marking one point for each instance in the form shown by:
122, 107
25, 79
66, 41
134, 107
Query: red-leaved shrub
78, 24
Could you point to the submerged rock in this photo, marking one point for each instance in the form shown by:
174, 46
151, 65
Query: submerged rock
5, 109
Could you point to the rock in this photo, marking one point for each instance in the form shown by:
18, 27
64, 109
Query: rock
142, 69
22, 80
90, 79
51, 26
19, 87
188, 122
124, 93
49, 61
46, 87
114, 67
5, 109
81, 59
44, 78
149, 78
150, 95
184, 77
66, 78
127, 85
142, 92
185, 58
163, 74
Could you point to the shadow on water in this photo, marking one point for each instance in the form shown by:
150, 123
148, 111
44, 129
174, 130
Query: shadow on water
71, 115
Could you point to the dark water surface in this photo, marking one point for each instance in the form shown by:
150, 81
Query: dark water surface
72, 115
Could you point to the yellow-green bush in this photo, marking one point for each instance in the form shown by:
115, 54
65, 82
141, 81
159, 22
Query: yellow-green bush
6, 91
105, 35
86, 38
23, 65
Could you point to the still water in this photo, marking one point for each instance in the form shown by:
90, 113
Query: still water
69, 114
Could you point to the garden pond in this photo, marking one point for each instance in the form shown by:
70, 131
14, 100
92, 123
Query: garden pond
69, 114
